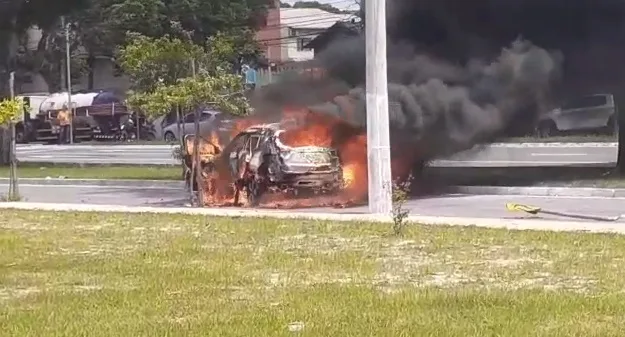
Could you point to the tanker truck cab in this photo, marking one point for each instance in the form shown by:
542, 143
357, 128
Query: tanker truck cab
28, 122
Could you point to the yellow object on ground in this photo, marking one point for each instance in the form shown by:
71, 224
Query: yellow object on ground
514, 207
522, 208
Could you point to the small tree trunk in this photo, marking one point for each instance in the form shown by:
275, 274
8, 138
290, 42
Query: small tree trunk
5, 146
181, 140
196, 159
14, 193
90, 71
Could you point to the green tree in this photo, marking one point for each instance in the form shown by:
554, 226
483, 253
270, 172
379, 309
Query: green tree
9, 111
16, 16
104, 25
152, 63
220, 90
174, 74
48, 58
149, 62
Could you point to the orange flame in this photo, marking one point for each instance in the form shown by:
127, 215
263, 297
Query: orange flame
305, 128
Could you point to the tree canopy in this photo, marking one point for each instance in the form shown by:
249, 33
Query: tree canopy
99, 27
9, 110
222, 91
170, 72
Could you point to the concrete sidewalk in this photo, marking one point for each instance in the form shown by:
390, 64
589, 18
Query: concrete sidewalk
508, 223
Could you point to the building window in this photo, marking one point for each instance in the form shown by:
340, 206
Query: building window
301, 42
292, 32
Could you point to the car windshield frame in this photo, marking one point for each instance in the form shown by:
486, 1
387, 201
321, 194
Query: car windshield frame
308, 156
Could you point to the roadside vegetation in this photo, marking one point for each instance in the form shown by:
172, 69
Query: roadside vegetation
90, 274
96, 172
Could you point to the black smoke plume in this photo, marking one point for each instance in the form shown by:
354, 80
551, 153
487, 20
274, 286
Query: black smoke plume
463, 72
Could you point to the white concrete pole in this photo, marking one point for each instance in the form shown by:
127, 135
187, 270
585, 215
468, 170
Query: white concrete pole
378, 134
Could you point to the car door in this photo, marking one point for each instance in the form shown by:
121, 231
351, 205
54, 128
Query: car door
188, 124
207, 121
236, 152
253, 155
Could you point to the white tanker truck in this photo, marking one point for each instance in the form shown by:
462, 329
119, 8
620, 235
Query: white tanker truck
96, 115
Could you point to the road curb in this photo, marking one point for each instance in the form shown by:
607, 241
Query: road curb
539, 191
509, 223
99, 182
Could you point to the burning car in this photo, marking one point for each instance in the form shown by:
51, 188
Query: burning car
258, 161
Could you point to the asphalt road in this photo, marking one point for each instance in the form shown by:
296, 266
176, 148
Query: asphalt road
496, 155
474, 206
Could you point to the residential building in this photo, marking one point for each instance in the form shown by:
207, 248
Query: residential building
289, 31
339, 30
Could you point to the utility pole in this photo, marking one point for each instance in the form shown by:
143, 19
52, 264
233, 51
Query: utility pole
68, 80
378, 134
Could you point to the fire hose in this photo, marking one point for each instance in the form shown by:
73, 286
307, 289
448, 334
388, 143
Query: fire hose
513, 207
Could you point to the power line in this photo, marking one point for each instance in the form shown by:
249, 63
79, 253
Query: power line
311, 18
330, 3
308, 16
287, 37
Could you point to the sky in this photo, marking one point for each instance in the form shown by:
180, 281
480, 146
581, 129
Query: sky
341, 4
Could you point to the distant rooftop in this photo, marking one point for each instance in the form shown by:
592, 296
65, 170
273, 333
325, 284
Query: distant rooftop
311, 18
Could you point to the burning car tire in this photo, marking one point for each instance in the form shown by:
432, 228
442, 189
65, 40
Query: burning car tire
254, 190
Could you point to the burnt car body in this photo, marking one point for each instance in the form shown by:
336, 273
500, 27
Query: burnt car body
259, 162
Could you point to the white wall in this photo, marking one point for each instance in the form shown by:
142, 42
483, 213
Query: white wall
292, 52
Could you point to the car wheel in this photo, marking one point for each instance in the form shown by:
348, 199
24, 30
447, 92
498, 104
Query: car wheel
20, 136
149, 136
169, 137
254, 192
547, 129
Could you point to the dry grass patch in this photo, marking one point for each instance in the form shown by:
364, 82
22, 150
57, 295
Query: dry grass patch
90, 274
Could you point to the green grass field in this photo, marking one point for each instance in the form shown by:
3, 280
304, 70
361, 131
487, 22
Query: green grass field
96, 172
89, 274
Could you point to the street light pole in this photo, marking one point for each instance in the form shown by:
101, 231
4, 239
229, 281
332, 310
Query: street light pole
68, 80
378, 134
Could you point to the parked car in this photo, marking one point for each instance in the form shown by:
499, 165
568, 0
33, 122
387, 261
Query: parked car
259, 162
207, 118
593, 113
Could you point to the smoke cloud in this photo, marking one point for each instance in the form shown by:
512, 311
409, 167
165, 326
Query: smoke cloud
467, 72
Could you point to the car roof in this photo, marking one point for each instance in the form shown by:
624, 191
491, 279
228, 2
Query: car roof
263, 127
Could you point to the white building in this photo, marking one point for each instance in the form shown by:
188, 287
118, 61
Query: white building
288, 30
